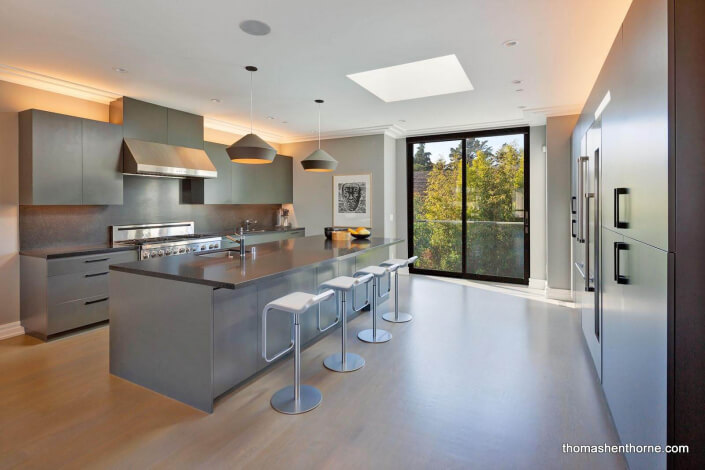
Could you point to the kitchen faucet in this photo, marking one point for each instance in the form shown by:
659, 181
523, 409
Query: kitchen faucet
240, 240
247, 223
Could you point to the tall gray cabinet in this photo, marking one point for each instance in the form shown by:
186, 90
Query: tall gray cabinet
649, 298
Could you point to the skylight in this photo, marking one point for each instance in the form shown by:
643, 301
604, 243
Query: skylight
421, 79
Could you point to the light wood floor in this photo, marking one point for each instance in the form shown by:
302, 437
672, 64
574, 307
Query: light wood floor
479, 379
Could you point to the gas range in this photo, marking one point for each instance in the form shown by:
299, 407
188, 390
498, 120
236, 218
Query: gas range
159, 240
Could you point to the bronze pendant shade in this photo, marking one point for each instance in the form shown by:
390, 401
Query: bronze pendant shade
251, 149
319, 161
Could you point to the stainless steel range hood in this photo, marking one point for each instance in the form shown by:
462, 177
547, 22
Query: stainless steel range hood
154, 159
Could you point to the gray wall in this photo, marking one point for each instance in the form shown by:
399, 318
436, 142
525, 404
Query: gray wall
146, 200
537, 200
313, 192
558, 150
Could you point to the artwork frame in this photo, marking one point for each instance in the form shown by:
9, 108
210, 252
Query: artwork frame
352, 200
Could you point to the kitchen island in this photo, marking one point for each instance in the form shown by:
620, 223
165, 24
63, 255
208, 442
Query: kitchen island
189, 326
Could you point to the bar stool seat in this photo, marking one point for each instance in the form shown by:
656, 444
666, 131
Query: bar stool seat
343, 361
375, 335
396, 316
297, 398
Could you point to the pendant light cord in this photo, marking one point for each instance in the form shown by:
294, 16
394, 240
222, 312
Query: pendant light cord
251, 102
319, 126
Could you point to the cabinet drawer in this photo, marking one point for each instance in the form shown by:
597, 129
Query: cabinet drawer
76, 286
69, 315
89, 264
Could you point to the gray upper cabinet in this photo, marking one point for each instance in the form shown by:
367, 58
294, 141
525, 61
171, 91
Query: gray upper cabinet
218, 190
102, 163
264, 184
643, 131
65, 160
50, 158
140, 120
184, 129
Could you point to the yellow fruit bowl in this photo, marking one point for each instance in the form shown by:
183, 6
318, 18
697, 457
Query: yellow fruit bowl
360, 233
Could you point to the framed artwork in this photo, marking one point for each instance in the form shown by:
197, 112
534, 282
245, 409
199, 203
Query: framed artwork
352, 200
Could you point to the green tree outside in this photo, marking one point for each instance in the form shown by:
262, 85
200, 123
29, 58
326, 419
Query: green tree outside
495, 186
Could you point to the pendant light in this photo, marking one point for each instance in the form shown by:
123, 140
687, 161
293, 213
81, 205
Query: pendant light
251, 149
319, 161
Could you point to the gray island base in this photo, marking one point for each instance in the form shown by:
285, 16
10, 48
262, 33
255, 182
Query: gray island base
189, 326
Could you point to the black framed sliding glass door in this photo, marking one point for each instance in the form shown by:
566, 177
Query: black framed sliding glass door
468, 204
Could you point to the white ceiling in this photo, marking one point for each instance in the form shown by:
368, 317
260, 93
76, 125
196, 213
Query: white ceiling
182, 53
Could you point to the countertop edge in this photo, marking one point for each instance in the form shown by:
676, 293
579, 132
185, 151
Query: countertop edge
57, 253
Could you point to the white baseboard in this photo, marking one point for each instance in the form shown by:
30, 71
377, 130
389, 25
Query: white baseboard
8, 330
559, 294
537, 284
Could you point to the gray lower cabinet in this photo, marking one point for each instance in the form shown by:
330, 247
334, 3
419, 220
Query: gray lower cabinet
50, 151
57, 295
102, 163
634, 344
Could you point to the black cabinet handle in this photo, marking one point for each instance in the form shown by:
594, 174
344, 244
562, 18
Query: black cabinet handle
617, 193
97, 274
96, 260
572, 228
573, 199
88, 302
618, 248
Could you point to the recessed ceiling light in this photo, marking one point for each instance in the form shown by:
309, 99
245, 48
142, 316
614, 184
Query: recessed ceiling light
215, 100
120, 69
430, 77
255, 28
516, 82
270, 117
402, 120
521, 107
285, 122
510, 43
519, 90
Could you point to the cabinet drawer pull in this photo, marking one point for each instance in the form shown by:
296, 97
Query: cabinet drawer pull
97, 274
572, 228
572, 205
617, 193
88, 302
96, 260
619, 247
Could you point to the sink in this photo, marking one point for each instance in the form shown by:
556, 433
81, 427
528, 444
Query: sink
255, 231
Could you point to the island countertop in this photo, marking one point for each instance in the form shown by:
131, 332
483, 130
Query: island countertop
216, 269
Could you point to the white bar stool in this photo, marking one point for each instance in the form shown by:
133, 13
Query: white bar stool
297, 398
396, 316
375, 335
343, 361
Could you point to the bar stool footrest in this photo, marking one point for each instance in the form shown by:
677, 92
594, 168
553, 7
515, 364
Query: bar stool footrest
369, 336
309, 398
353, 362
394, 318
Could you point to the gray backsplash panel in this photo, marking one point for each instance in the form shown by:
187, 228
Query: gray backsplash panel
146, 200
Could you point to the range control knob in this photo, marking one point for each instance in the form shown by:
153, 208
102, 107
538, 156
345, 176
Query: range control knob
182, 250
152, 254
161, 253
203, 247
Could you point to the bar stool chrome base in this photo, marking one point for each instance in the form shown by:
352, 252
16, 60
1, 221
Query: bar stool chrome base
353, 362
397, 317
284, 402
368, 336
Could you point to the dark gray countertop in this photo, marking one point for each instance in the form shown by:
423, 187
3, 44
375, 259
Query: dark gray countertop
270, 259
261, 231
66, 252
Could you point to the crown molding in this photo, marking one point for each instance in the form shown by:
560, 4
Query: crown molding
476, 126
537, 116
232, 128
24, 77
